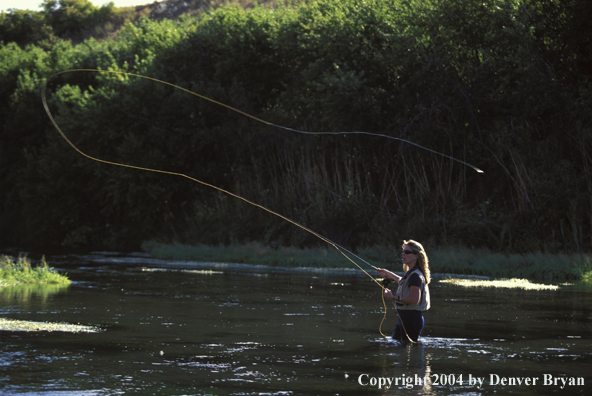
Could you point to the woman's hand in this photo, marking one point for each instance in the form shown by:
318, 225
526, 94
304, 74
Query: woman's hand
388, 294
384, 273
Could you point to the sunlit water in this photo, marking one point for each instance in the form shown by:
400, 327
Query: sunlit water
237, 330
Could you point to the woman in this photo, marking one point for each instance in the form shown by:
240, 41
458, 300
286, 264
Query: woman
413, 294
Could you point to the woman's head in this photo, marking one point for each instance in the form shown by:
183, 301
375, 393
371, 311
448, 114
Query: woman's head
415, 255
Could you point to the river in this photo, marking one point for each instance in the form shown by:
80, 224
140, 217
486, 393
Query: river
212, 329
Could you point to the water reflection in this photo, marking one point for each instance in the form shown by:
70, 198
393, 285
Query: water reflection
25, 292
404, 367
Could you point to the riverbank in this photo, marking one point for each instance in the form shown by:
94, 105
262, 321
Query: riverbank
452, 260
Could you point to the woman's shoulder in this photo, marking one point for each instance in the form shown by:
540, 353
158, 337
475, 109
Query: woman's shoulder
416, 276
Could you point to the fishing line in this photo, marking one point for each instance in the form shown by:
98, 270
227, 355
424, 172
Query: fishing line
262, 120
384, 285
340, 249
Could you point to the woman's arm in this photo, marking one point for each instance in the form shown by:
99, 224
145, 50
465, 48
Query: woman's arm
388, 274
413, 299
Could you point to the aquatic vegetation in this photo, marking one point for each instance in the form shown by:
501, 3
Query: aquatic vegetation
460, 260
453, 260
24, 325
501, 283
186, 271
22, 272
251, 253
585, 269
19, 280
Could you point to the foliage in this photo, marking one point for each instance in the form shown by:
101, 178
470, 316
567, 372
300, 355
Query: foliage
460, 260
493, 83
69, 16
77, 20
20, 271
443, 261
24, 27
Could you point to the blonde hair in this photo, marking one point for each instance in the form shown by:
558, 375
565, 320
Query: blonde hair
422, 259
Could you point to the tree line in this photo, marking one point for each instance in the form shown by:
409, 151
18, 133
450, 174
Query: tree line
500, 84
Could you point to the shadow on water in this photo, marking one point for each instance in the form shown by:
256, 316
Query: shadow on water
229, 330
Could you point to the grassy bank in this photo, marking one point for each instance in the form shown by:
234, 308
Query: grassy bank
21, 272
251, 253
499, 265
451, 260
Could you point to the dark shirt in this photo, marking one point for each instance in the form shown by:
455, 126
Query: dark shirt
414, 279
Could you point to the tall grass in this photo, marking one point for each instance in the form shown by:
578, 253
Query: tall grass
21, 271
251, 253
499, 265
444, 260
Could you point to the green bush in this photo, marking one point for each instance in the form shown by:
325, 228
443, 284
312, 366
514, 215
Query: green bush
490, 83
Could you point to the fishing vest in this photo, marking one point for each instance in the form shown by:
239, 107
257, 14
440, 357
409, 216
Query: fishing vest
405, 291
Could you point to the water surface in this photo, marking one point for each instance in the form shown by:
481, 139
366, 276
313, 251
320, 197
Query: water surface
204, 329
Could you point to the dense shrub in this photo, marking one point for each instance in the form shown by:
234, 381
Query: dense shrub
497, 84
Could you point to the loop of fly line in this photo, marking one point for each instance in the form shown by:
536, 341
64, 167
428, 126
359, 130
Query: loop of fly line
346, 253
